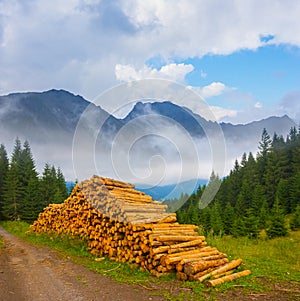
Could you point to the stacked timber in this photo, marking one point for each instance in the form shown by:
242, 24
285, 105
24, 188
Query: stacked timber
128, 226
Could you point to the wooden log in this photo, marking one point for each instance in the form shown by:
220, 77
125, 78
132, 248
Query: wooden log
228, 278
192, 243
229, 266
199, 274
178, 257
198, 266
223, 274
181, 276
203, 257
176, 238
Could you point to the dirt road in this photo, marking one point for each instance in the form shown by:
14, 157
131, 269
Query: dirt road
36, 273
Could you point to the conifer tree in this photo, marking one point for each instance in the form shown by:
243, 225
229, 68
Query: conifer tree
13, 188
228, 217
277, 222
62, 191
29, 205
4, 164
251, 224
216, 219
264, 149
295, 219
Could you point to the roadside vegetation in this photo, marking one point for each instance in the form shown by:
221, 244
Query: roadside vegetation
273, 263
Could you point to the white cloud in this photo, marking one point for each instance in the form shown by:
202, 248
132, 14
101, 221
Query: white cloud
258, 105
213, 89
39, 39
176, 72
221, 113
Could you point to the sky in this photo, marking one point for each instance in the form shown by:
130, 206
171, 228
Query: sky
241, 57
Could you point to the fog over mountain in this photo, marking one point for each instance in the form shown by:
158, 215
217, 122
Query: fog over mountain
157, 143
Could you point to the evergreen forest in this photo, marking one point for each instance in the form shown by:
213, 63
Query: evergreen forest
260, 196
23, 193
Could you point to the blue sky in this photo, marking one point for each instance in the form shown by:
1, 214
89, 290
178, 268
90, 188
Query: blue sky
243, 57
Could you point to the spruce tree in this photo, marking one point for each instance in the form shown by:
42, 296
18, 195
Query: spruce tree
295, 219
216, 219
228, 217
262, 156
277, 222
4, 164
295, 191
29, 205
13, 185
48, 185
62, 191
283, 195
251, 224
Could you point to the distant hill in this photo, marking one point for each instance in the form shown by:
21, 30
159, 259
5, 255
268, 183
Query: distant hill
171, 191
49, 120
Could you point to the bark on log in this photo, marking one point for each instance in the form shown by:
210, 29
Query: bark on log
227, 278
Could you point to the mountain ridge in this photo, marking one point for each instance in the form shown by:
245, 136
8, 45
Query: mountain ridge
49, 121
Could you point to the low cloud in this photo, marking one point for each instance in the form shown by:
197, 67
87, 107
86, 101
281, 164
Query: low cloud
175, 72
290, 104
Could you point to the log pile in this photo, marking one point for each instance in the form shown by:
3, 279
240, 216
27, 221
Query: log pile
128, 226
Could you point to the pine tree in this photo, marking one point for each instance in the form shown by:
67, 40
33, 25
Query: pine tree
216, 219
29, 205
251, 224
62, 191
4, 164
277, 222
295, 219
263, 215
13, 188
295, 191
262, 156
228, 218
283, 195
48, 185
210, 191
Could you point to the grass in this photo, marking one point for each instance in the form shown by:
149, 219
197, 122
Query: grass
271, 261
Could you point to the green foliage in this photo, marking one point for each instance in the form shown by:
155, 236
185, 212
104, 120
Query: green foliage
4, 164
277, 222
22, 193
295, 219
246, 201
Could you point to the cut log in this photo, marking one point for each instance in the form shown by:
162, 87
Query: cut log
229, 266
198, 266
128, 226
227, 278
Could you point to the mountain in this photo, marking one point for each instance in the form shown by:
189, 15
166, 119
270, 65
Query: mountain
194, 123
157, 140
171, 191
40, 116
176, 114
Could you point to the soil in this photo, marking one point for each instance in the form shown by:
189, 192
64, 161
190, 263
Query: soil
36, 273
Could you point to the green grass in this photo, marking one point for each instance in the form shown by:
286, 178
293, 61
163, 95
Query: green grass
270, 261
275, 260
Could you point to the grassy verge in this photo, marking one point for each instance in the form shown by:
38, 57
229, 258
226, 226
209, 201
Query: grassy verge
270, 261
